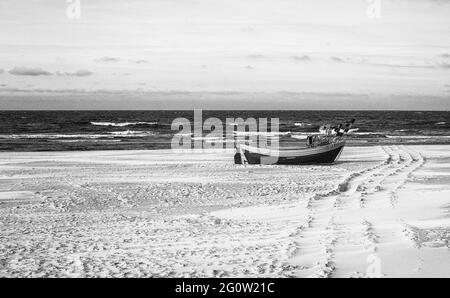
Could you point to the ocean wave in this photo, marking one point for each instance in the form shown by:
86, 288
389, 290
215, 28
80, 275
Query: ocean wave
301, 124
300, 136
367, 133
53, 136
109, 135
211, 140
122, 124
207, 138
441, 123
417, 137
88, 140
131, 133
352, 133
263, 133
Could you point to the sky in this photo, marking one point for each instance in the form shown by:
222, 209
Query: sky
225, 54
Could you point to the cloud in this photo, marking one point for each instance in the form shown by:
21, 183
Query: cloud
255, 56
445, 55
301, 58
1, 71
248, 29
141, 61
337, 59
121, 74
29, 71
444, 65
107, 60
82, 73
435, 65
78, 73
384, 64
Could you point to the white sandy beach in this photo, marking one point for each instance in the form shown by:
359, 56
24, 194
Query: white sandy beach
379, 211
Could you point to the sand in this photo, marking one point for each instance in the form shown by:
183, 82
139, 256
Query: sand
377, 212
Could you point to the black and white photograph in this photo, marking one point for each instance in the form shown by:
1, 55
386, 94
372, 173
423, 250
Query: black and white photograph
218, 140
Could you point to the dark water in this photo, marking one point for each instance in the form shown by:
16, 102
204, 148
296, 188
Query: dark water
105, 130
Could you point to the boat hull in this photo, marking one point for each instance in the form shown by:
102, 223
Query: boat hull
323, 154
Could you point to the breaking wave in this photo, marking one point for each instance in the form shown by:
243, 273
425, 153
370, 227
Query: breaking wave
301, 124
113, 134
122, 124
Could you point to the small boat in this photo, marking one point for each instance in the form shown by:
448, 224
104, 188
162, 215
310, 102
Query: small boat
325, 147
291, 155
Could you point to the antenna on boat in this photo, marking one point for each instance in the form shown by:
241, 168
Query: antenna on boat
346, 128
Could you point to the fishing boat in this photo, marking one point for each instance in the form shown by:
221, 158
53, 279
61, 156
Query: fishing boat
325, 147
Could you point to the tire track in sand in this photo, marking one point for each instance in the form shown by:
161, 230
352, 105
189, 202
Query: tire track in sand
359, 236
314, 235
416, 162
319, 238
338, 226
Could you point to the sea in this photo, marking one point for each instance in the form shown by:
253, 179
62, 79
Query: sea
134, 130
